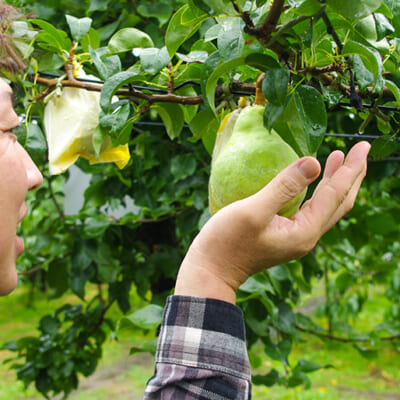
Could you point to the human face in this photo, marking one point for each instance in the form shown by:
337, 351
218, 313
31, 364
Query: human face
18, 174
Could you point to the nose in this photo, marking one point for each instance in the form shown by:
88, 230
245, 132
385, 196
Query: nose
34, 176
14, 119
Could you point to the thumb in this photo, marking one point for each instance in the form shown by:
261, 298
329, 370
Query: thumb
288, 184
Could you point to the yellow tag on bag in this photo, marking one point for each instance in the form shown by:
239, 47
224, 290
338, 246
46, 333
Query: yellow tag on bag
70, 120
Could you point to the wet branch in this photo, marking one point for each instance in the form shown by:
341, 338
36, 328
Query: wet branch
263, 31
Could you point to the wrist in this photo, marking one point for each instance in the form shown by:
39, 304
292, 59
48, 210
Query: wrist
197, 281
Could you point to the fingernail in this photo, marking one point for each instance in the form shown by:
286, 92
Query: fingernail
307, 168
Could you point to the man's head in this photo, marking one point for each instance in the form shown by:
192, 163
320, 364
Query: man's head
18, 174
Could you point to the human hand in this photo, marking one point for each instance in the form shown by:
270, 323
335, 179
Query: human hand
249, 236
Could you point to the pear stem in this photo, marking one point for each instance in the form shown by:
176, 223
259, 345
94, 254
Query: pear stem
260, 99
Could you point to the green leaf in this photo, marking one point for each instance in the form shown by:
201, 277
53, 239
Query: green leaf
354, 9
160, 10
183, 166
231, 42
107, 66
381, 223
153, 60
298, 378
280, 351
36, 143
367, 353
148, 317
49, 324
211, 83
272, 113
296, 270
343, 281
371, 57
275, 85
311, 108
91, 39
58, 39
107, 30
306, 7
205, 126
290, 127
394, 89
99, 135
303, 122
111, 86
148, 347
267, 380
204, 123
258, 283
95, 227
208, 67
383, 26
220, 6
127, 39
263, 62
179, 31
79, 27
116, 120
99, 5
172, 116
286, 321
382, 147
363, 75
57, 278
306, 366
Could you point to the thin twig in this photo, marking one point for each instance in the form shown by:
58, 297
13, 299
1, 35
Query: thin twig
53, 197
344, 340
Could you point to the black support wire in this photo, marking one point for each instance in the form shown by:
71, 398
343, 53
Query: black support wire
351, 136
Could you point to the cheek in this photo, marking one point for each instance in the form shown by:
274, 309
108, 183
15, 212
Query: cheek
17, 182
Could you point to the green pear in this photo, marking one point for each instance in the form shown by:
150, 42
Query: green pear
246, 157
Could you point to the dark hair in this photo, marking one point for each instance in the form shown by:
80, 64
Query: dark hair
11, 59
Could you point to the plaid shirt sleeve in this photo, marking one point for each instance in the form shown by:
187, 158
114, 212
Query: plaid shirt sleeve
201, 352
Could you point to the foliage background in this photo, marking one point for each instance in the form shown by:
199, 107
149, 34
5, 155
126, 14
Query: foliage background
332, 78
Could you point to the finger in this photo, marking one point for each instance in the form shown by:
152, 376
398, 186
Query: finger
348, 202
288, 184
336, 195
333, 163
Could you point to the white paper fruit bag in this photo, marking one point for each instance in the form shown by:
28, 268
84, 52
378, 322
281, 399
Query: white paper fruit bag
70, 120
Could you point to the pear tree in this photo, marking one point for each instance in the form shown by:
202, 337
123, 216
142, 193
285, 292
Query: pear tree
162, 77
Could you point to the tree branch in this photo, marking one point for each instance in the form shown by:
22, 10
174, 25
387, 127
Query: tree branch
263, 31
138, 95
237, 88
343, 340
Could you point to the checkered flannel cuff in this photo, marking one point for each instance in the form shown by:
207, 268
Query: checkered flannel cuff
204, 333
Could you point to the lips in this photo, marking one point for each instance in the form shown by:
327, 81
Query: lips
19, 245
23, 214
